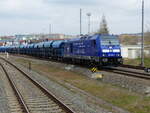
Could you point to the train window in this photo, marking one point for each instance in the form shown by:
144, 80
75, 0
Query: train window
71, 48
94, 43
109, 40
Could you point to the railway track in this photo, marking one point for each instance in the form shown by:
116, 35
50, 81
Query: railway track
133, 67
32, 96
14, 102
127, 72
115, 70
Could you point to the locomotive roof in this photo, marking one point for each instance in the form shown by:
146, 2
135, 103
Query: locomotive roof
86, 37
89, 37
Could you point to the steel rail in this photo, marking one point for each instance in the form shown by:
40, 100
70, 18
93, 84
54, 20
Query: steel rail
48, 93
133, 67
17, 93
129, 73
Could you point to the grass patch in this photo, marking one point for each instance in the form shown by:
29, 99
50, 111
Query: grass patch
120, 97
137, 62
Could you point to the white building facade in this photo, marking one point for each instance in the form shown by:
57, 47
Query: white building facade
132, 51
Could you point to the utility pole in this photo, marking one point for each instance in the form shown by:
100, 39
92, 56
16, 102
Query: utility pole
89, 14
142, 37
80, 22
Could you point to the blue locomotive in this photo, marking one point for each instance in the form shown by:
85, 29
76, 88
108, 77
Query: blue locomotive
95, 49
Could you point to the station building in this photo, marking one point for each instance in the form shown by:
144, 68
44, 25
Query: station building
134, 51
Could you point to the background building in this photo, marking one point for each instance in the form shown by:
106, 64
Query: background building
133, 51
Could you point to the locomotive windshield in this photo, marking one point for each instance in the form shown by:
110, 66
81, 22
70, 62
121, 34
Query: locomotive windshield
109, 40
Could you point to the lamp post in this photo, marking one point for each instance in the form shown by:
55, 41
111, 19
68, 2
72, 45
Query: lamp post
89, 14
142, 37
80, 22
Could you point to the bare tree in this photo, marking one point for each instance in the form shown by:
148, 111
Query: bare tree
103, 26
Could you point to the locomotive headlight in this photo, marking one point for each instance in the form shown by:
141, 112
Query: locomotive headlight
119, 59
116, 50
105, 60
105, 50
118, 54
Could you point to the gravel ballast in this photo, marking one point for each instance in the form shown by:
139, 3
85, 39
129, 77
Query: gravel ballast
74, 100
107, 78
4, 105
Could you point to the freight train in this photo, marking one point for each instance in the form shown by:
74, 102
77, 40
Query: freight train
99, 50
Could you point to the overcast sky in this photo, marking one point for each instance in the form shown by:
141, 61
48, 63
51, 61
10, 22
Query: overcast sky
34, 16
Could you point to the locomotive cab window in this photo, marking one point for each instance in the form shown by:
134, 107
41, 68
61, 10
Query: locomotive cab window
71, 48
109, 40
94, 43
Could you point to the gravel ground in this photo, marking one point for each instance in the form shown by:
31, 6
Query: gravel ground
134, 70
141, 86
134, 84
138, 85
81, 100
77, 102
4, 102
131, 83
35, 99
